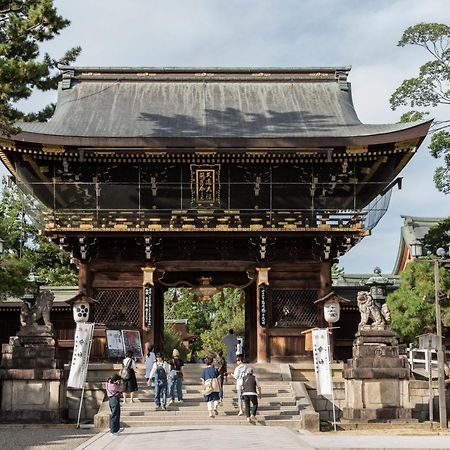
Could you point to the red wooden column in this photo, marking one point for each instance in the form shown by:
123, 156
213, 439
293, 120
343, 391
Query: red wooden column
262, 344
325, 287
84, 279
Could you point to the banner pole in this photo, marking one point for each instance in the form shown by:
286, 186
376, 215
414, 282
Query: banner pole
331, 377
91, 337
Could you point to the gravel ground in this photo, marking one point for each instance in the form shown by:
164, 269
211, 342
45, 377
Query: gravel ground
42, 437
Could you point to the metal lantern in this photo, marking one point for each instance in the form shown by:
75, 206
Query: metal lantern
81, 307
378, 286
331, 311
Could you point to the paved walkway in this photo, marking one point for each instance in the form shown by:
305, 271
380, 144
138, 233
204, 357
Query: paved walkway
65, 437
42, 437
256, 437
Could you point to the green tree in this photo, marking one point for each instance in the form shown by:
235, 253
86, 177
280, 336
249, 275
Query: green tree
172, 340
52, 264
24, 25
438, 236
412, 305
24, 249
209, 320
430, 88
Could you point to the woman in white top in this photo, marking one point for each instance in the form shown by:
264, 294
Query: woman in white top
150, 360
129, 386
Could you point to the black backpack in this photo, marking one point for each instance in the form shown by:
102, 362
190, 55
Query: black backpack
161, 375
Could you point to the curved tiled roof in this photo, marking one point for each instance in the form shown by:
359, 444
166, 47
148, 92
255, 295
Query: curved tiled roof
210, 103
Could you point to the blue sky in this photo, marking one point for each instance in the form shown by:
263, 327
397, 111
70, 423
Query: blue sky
282, 33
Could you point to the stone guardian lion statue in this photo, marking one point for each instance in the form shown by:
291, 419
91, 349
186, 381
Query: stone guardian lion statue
369, 310
29, 315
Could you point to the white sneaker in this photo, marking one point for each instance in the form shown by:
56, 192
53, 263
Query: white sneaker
252, 417
240, 413
170, 402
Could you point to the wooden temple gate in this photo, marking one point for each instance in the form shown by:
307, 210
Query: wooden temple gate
258, 178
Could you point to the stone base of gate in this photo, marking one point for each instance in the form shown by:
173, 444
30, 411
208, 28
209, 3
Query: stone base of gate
32, 381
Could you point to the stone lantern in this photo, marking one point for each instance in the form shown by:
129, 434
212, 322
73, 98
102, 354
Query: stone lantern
81, 307
378, 286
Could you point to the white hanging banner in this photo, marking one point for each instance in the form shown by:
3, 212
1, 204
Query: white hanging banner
320, 342
80, 359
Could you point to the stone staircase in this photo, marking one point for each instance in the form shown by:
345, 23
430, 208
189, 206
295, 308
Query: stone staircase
282, 403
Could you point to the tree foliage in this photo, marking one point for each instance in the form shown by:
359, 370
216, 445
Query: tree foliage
209, 320
24, 25
412, 305
438, 236
430, 88
24, 250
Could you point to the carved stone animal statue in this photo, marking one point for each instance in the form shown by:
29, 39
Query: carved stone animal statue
41, 309
369, 310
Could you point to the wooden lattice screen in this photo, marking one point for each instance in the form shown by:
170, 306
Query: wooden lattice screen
294, 308
117, 307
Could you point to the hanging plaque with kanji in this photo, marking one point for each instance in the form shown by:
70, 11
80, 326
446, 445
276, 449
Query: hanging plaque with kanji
205, 185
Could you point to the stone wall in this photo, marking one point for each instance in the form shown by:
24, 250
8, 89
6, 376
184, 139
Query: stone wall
418, 398
94, 392
324, 406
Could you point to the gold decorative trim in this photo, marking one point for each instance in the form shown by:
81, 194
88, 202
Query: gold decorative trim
403, 145
148, 276
263, 275
357, 150
7, 143
53, 149
8, 164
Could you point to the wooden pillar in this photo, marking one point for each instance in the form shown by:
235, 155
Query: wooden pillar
262, 344
84, 279
325, 287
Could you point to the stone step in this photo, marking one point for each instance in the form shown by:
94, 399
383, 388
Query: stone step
195, 402
194, 409
272, 413
293, 424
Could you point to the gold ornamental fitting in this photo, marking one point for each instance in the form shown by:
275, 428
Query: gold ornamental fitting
148, 276
263, 275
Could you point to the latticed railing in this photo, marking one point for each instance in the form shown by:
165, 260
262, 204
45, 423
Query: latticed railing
117, 307
294, 308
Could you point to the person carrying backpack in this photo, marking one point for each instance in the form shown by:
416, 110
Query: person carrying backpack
251, 391
159, 373
221, 365
130, 385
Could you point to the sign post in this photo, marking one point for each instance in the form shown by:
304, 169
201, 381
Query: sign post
429, 342
322, 369
80, 360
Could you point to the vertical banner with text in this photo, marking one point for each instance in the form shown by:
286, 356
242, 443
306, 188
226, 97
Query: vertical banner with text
148, 291
320, 342
80, 359
263, 294
148, 304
